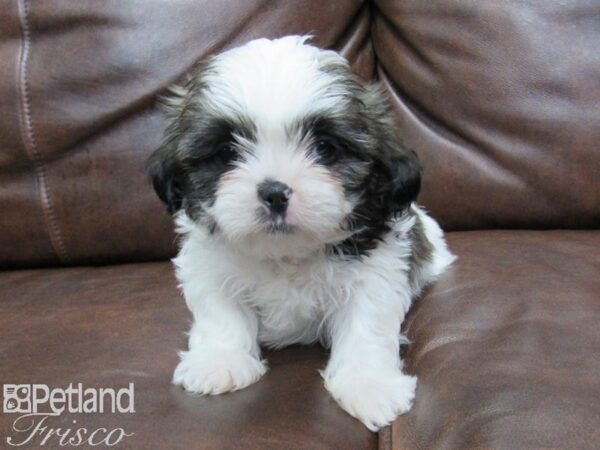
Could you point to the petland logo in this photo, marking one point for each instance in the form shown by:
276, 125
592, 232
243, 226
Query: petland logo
36, 403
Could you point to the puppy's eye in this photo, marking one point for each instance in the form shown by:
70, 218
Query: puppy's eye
325, 150
225, 154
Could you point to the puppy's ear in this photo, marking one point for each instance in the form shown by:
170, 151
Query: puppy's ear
401, 183
396, 172
164, 167
164, 171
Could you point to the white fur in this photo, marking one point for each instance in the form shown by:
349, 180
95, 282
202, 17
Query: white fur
357, 307
275, 83
247, 288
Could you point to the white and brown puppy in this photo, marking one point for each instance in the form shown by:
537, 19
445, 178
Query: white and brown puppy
295, 197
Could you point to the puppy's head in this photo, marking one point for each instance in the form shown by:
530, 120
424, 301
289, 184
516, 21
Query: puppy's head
276, 148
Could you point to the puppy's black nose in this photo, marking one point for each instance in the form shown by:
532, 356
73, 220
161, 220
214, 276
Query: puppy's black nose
275, 195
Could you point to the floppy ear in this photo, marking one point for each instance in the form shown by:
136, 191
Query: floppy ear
396, 172
164, 171
405, 179
164, 167
394, 182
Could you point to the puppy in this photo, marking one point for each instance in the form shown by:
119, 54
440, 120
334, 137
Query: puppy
295, 201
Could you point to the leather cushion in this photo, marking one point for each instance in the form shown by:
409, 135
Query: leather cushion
506, 345
501, 100
501, 110
109, 326
81, 115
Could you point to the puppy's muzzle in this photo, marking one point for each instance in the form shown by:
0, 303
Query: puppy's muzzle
275, 195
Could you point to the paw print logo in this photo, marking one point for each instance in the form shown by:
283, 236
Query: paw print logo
17, 398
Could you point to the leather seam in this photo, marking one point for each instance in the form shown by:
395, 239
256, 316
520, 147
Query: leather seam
372, 12
29, 141
384, 438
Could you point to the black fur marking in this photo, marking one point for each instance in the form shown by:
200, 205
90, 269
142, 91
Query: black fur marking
362, 148
197, 150
358, 145
421, 247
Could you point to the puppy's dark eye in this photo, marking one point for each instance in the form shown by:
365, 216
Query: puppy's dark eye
326, 150
225, 154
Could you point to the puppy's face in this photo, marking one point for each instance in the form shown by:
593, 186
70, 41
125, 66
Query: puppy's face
277, 149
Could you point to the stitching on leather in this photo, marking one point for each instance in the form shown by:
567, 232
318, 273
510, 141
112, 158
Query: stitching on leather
372, 12
29, 141
384, 438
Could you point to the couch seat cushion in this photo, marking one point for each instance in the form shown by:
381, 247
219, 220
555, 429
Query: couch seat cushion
110, 326
507, 345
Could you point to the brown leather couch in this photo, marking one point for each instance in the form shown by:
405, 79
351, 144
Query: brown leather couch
501, 100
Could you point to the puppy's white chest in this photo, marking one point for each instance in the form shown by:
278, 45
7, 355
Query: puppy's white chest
291, 299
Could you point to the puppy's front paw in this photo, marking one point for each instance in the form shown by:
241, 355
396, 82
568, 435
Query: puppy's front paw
375, 399
211, 371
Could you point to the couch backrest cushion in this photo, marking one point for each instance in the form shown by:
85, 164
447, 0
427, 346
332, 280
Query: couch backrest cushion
501, 99
79, 82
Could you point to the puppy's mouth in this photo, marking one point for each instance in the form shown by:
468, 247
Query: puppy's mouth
274, 223
283, 228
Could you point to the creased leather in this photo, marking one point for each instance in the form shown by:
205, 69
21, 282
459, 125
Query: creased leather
501, 100
111, 326
94, 73
506, 345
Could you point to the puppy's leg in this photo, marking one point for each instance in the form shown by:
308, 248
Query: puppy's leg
223, 351
364, 371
